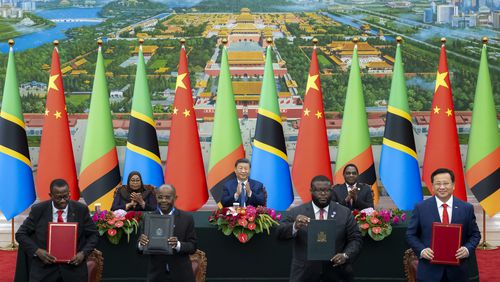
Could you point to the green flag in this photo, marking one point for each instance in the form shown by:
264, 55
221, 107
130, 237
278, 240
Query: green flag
227, 146
354, 142
483, 153
99, 171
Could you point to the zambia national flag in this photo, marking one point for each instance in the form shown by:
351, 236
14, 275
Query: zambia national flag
142, 152
99, 172
483, 154
227, 146
354, 142
269, 158
398, 160
17, 190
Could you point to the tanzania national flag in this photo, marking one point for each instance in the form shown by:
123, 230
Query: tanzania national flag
398, 160
17, 189
142, 154
269, 158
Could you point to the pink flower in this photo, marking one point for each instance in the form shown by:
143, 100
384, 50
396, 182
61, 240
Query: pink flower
278, 217
243, 222
374, 220
395, 220
242, 237
403, 217
111, 221
251, 218
111, 232
251, 226
119, 224
365, 226
376, 230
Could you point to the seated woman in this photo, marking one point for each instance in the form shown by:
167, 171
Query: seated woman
134, 196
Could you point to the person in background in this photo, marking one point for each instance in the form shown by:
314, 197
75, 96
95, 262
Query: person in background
352, 194
242, 189
134, 196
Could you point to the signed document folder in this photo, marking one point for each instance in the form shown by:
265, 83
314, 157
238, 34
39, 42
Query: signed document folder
320, 240
446, 239
158, 228
61, 241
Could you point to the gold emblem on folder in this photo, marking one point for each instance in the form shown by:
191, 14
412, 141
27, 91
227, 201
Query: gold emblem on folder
321, 237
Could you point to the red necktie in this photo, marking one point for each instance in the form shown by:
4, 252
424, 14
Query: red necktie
446, 219
59, 216
321, 214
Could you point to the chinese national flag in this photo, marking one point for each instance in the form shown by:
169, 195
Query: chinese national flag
442, 148
312, 156
56, 158
184, 168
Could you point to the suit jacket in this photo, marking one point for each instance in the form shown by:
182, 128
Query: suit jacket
229, 189
177, 266
364, 200
419, 236
32, 234
348, 240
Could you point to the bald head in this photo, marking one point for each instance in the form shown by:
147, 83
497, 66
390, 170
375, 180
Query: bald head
166, 196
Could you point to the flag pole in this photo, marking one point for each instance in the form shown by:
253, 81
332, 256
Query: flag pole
484, 245
12, 246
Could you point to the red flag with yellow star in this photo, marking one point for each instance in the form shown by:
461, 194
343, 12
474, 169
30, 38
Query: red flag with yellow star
56, 158
312, 156
184, 168
442, 148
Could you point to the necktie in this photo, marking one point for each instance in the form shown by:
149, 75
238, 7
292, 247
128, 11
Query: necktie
243, 196
351, 202
446, 219
59, 216
321, 214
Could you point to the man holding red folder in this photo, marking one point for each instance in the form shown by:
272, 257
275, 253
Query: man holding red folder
32, 236
446, 209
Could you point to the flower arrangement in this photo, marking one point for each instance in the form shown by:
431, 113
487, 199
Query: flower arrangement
115, 224
244, 222
378, 224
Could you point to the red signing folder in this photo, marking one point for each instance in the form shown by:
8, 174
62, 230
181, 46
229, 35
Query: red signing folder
61, 242
446, 240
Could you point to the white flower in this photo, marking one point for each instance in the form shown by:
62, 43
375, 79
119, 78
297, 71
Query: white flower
368, 211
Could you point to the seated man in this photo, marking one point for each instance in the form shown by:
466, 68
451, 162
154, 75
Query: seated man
32, 236
352, 194
242, 189
175, 267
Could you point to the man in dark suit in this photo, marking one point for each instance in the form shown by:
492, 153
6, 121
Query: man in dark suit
348, 239
176, 267
445, 208
242, 189
352, 194
32, 236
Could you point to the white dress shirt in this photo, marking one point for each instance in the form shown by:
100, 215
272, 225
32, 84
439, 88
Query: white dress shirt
55, 215
441, 208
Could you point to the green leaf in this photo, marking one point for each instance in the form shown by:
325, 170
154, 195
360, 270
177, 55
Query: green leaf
227, 230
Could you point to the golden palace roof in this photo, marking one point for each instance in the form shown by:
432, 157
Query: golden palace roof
242, 57
146, 49
347, 48
378, 65
247, 87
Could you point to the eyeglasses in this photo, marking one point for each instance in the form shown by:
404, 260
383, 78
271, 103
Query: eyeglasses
60, 197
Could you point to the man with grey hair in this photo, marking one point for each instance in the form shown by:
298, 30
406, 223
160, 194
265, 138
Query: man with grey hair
176, 267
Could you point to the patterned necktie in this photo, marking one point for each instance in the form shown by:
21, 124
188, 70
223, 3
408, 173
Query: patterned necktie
446, 219
321, 214
243, 196
59, 216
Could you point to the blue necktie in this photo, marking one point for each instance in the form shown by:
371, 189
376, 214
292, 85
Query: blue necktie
243, 196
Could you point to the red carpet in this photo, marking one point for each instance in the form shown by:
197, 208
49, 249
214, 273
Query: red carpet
7, 265
488, 262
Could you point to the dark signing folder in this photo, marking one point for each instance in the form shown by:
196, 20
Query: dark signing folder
320, 240
158, 228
